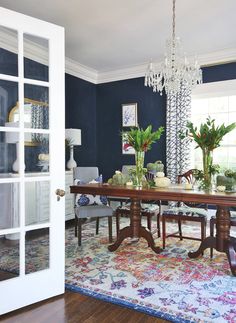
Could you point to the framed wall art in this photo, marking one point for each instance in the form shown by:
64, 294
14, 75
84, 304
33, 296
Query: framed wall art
129, 115
126, 148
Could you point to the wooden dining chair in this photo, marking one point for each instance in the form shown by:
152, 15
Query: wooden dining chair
192, 212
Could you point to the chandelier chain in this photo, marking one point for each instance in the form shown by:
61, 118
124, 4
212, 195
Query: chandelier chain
176, 71
173, 21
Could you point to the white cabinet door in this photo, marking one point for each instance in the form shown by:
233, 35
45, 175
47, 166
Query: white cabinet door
35, 262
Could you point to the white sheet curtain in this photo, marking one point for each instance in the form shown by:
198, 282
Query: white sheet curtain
177, 150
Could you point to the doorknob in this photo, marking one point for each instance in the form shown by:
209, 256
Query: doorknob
59, 193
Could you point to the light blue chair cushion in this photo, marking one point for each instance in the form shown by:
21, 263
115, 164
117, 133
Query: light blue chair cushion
93, 211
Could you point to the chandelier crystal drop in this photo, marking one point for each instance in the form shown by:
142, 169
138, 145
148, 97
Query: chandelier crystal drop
176, 70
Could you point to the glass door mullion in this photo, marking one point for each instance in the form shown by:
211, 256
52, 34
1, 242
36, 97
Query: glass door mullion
36, 82
21, 192
11, 78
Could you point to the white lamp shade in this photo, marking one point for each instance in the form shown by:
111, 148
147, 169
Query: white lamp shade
73, 136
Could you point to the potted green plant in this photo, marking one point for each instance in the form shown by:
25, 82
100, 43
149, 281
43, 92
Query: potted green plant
207, 137
141, 140
228, 180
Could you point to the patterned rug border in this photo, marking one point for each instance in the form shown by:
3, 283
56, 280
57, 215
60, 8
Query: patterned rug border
127, 304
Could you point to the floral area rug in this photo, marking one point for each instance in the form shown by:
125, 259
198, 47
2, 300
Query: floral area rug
36, 255
169, 285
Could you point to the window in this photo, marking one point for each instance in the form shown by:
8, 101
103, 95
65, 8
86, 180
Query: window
217, 100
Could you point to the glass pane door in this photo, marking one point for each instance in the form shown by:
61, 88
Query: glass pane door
31, 165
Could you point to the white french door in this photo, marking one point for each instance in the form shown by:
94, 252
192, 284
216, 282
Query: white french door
31, 160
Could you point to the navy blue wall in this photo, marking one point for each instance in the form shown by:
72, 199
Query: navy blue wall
151, 110
81, 113
96, 110
221, 72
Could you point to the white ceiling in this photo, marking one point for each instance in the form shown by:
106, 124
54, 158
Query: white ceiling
108, 35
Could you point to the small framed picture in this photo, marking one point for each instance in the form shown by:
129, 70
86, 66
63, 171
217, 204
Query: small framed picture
126, 148
129, 115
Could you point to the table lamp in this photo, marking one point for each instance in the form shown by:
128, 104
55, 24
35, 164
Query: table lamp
13, 138
73, 137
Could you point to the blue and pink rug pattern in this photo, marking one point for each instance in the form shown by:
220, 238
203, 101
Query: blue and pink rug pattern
169, 285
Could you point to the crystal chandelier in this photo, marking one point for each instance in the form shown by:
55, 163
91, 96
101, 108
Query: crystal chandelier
176, 70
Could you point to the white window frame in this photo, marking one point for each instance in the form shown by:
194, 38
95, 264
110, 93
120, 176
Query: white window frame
210, 90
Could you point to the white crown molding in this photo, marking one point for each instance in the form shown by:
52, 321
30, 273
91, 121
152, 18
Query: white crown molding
226, 55
78, 70
122, 74
32, 50
38, 53
218, 57
8, 41
221, 88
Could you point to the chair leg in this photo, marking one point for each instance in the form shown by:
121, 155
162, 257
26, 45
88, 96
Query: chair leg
164, 231
97, 225
110, 228
149, 221
76, 226
79, 231
203, 231
117, 222
158, 225
212, 235
180, 229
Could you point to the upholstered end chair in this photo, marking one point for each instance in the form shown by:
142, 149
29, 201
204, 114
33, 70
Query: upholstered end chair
185, 212
84, 175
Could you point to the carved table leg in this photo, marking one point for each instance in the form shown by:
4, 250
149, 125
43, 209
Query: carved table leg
222, 241
209, 242
222, 228
132, 230
231, 254
146, 234
135, 230
123, 234
135, 217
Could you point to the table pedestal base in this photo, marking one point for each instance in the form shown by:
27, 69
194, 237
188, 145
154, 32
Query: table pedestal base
127, 232
135, 230
222, 242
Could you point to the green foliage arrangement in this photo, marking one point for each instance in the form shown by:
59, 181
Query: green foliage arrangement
119, 179
208, 136
230, 173
142, 140
198, 174
155, 167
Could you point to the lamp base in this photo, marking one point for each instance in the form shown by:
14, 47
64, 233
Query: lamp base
16, 164
71, 162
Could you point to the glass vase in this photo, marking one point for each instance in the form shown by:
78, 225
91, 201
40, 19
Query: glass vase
139, 161
207, 165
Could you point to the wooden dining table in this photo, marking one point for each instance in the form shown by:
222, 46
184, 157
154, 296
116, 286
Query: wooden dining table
222, 242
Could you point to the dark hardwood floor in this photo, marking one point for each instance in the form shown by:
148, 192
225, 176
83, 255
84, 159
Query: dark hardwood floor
76, 308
